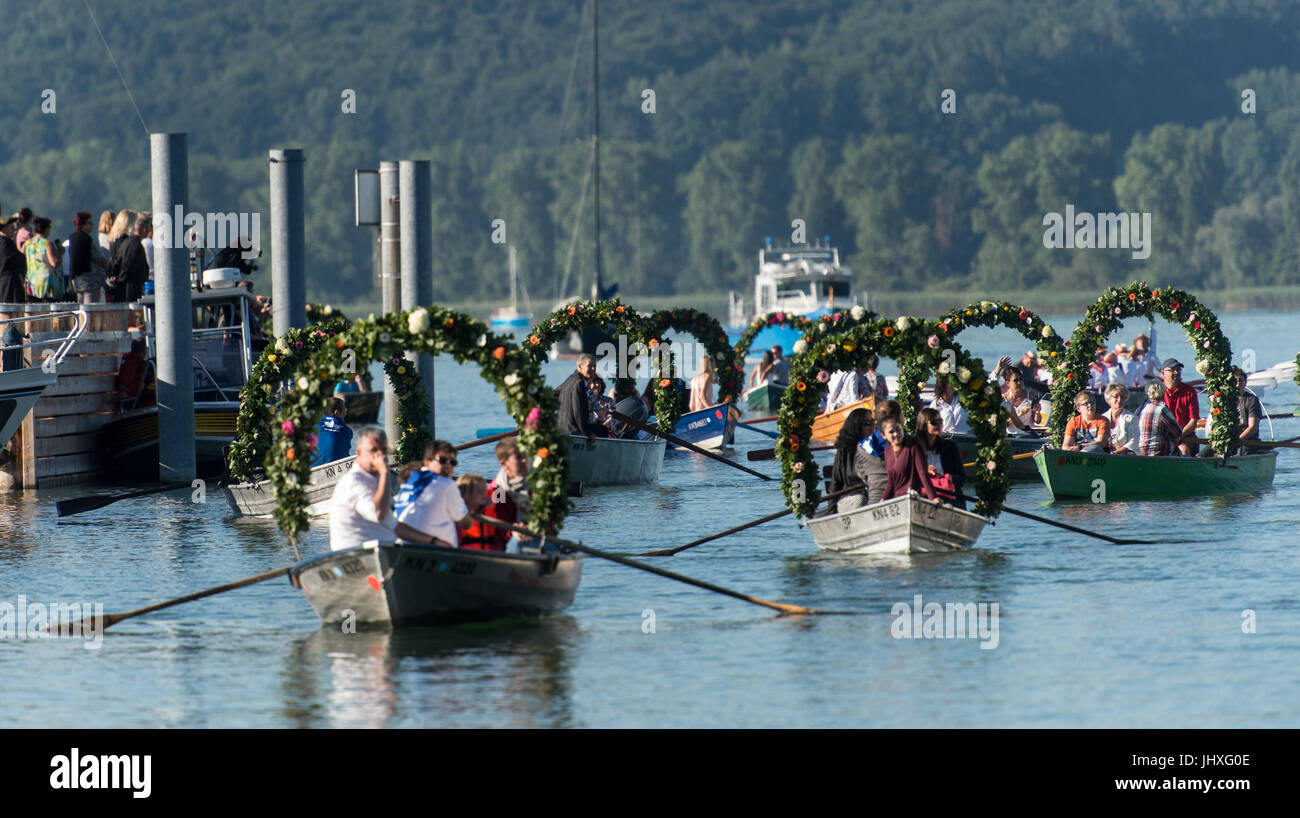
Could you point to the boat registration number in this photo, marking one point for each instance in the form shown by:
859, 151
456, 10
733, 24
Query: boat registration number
352, 568
885, 513
433, 566
1082, 460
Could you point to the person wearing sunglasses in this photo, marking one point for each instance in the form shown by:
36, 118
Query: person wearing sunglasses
429, 500
1087, 431
361, 506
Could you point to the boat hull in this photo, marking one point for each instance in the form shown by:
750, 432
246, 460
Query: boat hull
362, 407
903, 525
19, 391
132, 440
258, 499
1022, 469
827, 427
710, 428
426, 584
611, 461
1070, 475
764, 397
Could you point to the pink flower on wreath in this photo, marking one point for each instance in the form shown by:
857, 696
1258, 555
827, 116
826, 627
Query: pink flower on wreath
932, 342
534, 415
287, 427
311, 441
991, 466
823, 376
1205, 345
298, 344
1098, 328
780, 317
1117, 310
798, 467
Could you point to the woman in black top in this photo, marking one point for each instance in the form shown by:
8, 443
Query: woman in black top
929, 431
844, 473
13, 264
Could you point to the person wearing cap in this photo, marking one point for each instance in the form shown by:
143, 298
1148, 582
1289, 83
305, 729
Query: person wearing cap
1182, 401
13, 264
1097, 377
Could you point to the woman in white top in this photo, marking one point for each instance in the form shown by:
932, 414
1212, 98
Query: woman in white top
1123, 428
955, 419
702, 385
763, 372
1020, 407
105, 227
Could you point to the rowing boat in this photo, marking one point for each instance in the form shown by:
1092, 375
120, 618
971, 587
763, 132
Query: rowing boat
1134, 477
713, 427
257, 499
1022, 469
385, 583
827, 426
766, 397
903, 525
611, 461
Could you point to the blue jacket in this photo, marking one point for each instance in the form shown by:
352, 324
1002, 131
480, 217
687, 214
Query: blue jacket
333, 441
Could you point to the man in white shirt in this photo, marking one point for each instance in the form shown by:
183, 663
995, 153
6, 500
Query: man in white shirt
429, 500
846, 387
361, 506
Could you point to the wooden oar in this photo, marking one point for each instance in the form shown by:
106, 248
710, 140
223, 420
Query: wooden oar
1020, 456
488, 439
1066, 526
758, 431
757, 420
636, 424
113, 619
79, 504
586, 549
768, 454
668, 552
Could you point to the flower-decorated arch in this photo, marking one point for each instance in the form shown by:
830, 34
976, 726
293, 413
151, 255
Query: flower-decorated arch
256, 399
706, 329
431, 330
618, 318
906, 339
1213, 352
787, 320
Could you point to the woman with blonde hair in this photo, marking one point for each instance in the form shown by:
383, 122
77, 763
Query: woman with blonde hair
122, 225
105, 227
128, 266
702, 385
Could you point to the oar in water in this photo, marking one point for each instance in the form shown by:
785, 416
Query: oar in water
668, 552
757, 430
79, 504
1066, 526
636, 424
769, 454
113, 619
1020, 456
757, 420
498, 434
586, 549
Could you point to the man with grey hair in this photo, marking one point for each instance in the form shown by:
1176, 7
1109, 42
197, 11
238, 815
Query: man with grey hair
1158, 433
361, 508
575, 404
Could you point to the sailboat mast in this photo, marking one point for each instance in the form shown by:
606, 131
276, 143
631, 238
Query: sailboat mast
596, 289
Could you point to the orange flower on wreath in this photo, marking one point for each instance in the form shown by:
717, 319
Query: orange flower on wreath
665, 383
572, 311
534, 340
291, 454
619, 309
338, 344
889, 332
543, 453
801, 386
499, 353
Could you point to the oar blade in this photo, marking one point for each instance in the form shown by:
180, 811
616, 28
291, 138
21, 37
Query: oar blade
760, 454
77, 505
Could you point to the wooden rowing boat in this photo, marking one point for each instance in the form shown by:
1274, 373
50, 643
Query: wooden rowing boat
903, 525
826, 426
1022, 469
389, 584
766, 397
610, 461
258, 499
1134, 477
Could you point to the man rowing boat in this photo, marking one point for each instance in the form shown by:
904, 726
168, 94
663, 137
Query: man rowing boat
361, 506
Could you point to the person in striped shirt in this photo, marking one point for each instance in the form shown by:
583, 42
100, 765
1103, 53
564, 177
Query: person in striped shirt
1158, 434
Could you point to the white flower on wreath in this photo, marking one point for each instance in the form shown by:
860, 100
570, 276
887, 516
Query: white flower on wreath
857, 312
511, 379
418, 321
303, 383
903, 323
282, 345
1202, 367
800, 347
384, 337
1047, 331
944, 368
963, 375
986, 305
821, 326
328, 310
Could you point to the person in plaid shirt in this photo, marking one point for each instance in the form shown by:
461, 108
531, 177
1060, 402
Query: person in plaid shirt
1158, 432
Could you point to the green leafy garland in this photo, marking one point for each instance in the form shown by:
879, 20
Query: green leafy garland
1051, 349
772, 319
904, 339
276, 363
412, 410
432, 330
617, 318
1213, 352
706, 329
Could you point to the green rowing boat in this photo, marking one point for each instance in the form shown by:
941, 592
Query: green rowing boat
764, 397
1132, 477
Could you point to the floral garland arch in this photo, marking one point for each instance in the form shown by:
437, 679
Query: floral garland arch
276, 363
431, 330
773, 319
904, 339
619, 318
1213, 352
706, 329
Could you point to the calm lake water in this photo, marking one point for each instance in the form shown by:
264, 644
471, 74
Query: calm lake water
1089, 634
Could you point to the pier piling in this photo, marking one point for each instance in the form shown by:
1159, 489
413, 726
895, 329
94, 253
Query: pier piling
390, 273
416, 216
288, 242
175, 351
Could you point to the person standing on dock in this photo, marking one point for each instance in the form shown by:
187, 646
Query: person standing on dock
13, 264
361, 506
1183, 402
575, 404
85, 264
429, 500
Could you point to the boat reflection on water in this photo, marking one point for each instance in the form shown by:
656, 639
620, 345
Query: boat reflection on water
510, 673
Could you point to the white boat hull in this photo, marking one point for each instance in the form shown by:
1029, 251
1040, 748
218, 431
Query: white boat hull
615, 462
903, 525
258, 499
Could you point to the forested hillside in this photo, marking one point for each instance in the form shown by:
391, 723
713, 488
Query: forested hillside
764, 111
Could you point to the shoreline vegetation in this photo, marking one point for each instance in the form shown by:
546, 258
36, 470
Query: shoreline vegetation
921, 304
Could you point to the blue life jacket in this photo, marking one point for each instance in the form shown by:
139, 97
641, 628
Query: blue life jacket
333, 441
416, 483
